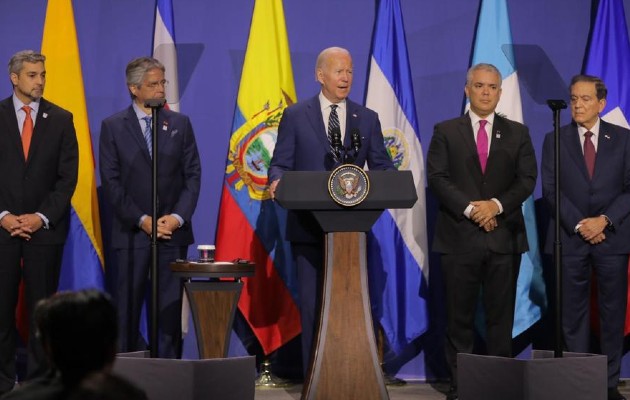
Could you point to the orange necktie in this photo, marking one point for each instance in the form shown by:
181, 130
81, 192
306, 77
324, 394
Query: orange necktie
27, 131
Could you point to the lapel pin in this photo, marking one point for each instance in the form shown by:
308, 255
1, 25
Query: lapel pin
354, 115
164, 125
45, 115
498, 135
606, 136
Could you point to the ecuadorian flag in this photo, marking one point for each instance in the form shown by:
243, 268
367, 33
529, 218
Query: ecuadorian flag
82, 265
251, 226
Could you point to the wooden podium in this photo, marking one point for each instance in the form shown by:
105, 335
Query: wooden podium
213, 301
345, 364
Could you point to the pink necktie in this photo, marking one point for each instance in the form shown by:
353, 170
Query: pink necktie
482, 144
589, 153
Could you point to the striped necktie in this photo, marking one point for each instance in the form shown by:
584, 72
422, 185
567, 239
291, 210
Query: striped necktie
147, 134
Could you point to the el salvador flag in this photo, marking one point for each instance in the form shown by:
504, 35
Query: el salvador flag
493, 45
397, 244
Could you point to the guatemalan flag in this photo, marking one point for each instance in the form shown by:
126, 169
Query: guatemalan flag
608, 57
164, 49
493, 45
397, 244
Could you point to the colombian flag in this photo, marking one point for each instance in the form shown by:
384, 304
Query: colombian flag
82, 265
251, 226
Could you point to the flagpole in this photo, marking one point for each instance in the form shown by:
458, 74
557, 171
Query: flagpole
556, 106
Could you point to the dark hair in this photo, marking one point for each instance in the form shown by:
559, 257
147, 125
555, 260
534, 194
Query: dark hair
106, 386
78, 331
600, 86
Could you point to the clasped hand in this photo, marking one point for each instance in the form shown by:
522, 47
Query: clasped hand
22, 225
166, 225
592, 229
484, 214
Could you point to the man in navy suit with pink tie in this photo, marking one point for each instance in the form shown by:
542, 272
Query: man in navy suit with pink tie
303, 145
595, 221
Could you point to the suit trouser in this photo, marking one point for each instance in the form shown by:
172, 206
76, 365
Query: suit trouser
133, 287
611, 272
40, 271
466, 277
309, 261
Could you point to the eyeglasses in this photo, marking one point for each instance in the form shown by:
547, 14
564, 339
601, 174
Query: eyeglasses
154, 85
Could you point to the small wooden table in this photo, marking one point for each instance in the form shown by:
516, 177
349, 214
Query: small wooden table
213, 301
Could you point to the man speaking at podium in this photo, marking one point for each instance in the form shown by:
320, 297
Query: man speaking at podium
310, 135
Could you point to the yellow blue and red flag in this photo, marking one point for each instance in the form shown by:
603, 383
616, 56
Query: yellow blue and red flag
250, 225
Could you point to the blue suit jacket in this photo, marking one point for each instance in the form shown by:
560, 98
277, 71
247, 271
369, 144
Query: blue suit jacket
607, 193
125, 167
302, 145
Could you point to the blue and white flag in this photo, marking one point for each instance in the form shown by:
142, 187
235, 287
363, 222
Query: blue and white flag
397, 244
493, 45
608, 57
164, 49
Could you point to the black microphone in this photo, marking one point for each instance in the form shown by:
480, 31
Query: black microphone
355, 137
336, 142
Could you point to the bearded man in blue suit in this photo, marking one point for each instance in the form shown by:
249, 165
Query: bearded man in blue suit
594, 218
125, 166
303, 145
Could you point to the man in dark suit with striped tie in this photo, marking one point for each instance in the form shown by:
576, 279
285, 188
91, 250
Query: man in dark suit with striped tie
126, 171
305, 134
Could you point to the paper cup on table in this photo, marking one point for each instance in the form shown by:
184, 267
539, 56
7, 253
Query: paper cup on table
206, 252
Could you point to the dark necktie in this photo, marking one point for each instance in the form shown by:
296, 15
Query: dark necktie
333, 125
147, 134
589, 153
27, 131
482, 144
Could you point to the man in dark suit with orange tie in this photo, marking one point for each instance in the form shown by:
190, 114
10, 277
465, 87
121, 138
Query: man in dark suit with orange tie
39, 163
594, 219
481, 167
126, 171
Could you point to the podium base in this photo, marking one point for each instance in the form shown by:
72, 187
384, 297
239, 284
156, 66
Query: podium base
167, 379
576, 376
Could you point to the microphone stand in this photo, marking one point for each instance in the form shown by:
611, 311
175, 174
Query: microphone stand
155, 105
556, 106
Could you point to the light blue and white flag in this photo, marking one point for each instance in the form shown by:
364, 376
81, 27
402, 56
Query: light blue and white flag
493, 45
164, 49
397, 244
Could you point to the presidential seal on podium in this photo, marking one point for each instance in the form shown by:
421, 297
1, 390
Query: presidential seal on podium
348, 185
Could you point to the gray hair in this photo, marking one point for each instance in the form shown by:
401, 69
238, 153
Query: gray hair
138, 67
483, 67
325, 54
16, 63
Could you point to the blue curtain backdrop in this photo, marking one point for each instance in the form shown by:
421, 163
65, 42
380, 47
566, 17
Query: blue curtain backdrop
549, 37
